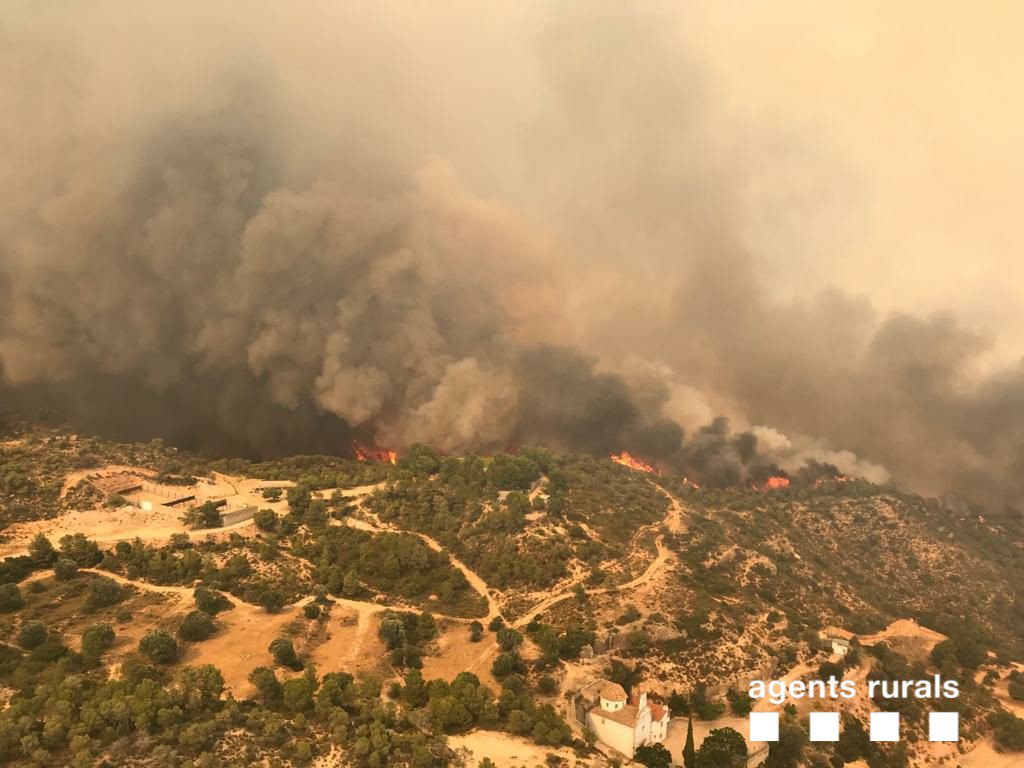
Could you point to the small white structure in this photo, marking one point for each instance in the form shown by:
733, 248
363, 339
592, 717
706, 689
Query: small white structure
838, 640
622, 724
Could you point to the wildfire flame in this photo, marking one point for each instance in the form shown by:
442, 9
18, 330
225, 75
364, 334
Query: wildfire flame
837, 479
626, 460
690, 484
775, 483
366, 453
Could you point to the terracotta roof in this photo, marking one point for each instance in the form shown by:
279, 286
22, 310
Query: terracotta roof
658, 711
613, 692
626, 715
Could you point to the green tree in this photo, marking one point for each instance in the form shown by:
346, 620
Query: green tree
689, 752
65, 569
32, 634
158, 646
722, 748
350, 586
210, 601
788, 751
104, 593
298, 694
97, 640
272, 601
41, 551
266, 519
196, 626
10, 598
740, 702
414, 691
268, 686
284, 653
653, 756
206, 515
82, 550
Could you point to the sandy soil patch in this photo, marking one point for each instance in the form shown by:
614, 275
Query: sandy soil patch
985, 756
505, 750
456, 653
110, 470
352, 644
907, 637
240, 644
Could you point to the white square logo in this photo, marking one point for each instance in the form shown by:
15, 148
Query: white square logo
764, 726
824, 726
885, 726
943, 726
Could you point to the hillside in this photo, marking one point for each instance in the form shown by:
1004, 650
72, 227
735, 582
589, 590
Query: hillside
368, 611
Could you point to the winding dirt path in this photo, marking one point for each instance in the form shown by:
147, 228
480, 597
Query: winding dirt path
474, 579
673, 522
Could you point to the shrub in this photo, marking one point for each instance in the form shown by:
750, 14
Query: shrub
547, 685
205, 515
266, 519
272, 601
10, 598
32, 635
96, 640
104, 593
158, 646
196, 626
65, 569
210, 601
311, 610
722, 748
82, 550
284, 653
41, 550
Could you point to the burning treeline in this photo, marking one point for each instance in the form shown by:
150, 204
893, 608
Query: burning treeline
284, 239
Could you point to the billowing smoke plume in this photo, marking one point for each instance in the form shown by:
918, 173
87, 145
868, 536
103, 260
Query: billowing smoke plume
267, 234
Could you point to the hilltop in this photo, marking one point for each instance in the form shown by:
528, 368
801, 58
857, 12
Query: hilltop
438, 597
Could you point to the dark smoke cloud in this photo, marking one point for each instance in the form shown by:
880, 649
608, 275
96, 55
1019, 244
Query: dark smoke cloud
471, 230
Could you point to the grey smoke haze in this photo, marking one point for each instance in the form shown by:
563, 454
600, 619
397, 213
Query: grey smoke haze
585, 225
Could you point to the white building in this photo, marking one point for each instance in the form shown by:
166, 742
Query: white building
838, 640
622, 724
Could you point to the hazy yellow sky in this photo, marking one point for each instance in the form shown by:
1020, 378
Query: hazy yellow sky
915, 109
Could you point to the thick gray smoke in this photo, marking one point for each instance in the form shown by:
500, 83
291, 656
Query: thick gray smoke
267, 234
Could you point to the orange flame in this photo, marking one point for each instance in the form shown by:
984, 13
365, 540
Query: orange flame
837, 479
626, 460
365, 453
775, 483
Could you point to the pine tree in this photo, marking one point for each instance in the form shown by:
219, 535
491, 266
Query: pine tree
689, 753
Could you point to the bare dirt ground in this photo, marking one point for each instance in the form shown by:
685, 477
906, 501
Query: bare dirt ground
109, 525
455, 654
74, 478
906, 637
352, 644
505, 750
241, 644
984, 755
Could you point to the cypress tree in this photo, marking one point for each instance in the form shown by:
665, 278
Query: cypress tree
689, 753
